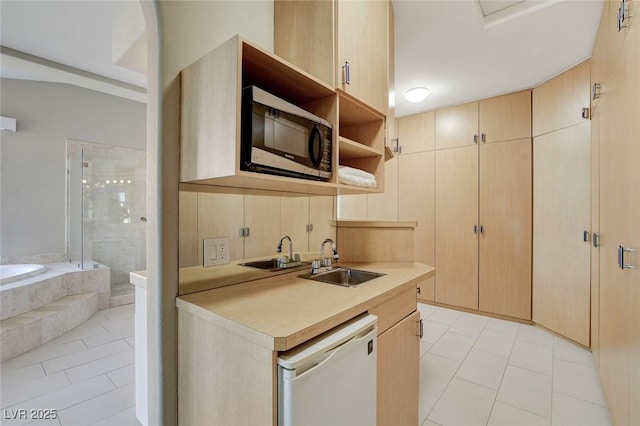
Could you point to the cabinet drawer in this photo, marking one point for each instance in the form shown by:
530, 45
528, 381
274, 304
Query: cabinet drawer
394, 309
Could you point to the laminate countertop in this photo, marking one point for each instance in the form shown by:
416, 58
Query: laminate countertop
282, 311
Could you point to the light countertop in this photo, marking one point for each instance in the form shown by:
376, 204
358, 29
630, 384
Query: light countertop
282, 311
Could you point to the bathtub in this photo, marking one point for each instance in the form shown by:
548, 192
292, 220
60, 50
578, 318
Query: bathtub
10, 273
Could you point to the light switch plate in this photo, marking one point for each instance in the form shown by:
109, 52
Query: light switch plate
216, 251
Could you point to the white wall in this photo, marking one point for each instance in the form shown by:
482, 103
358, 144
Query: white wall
33, 159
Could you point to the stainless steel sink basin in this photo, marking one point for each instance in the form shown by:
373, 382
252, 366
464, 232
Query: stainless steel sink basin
275, 265
345, 277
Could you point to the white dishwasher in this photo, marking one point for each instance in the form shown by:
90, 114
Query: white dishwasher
331, 380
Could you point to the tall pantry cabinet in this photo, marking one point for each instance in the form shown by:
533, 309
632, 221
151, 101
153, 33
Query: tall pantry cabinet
617, 62
483, 205
562, 205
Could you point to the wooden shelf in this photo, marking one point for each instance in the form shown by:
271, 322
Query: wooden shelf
349, 150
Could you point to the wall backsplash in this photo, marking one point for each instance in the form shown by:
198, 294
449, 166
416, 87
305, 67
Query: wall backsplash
206, 215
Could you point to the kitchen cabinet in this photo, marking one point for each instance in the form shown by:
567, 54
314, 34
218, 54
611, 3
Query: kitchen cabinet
343, 43
398, 359
306, 221
416, 133
416, 201
228, 214
210, 123
505, 228
496, 119
385, 205
398, 372
562, 101
235, 327
457, 126
483, 212
617, 63
561, 217
456, 236
563, 205
505, 118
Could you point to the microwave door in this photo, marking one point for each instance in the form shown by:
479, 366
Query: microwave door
285, 136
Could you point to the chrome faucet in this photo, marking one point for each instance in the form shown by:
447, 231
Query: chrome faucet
324, 264
279, 249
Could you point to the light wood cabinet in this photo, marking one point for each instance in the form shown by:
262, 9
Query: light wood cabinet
398, 372
505, 118
456, 237
416, 133
559, 102
322, 37
385, 205
505, 236
416, 201
457, 126
616, 60
483, 227
561, 215
210, 123
307, 221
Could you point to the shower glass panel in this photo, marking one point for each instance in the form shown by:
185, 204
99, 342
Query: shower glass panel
113, 222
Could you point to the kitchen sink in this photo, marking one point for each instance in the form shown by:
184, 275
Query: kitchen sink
345, 277
275, 264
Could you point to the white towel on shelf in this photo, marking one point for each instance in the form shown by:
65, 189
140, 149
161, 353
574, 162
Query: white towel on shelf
356, 177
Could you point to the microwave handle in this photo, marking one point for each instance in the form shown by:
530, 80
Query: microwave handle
313, 137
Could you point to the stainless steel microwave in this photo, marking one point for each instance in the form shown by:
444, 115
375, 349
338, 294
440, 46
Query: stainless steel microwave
280, 138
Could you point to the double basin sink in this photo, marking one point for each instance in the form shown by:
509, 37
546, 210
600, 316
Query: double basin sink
345, 277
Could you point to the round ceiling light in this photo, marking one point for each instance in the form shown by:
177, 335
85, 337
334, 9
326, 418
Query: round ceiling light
417, 94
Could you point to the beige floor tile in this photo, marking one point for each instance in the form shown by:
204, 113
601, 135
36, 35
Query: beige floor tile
577, 381
433, 330
469, 325
506, 415
452, 346
463, 403
527, 390
445, 316
495, 342
435, 373
568, 411
483, 368
533, 334
532, 357
567, 351
509, 327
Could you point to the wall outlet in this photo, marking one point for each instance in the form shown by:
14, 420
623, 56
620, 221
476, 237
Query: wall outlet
216, 251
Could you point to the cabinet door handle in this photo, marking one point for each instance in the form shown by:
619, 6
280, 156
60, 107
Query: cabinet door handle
596, 240
346, 73
585, 113
482, 229
483, 138
621, 251
421, 328
585, 236
475, 138
475, 229
418, 290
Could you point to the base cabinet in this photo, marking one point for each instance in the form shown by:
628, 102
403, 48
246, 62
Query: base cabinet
398, 372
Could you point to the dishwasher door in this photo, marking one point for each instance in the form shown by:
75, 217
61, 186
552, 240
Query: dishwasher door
332, 379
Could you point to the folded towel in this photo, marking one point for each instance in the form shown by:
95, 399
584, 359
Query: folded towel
350, 171
352, 176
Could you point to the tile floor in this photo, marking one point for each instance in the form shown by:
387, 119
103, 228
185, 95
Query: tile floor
86, 375
474, 370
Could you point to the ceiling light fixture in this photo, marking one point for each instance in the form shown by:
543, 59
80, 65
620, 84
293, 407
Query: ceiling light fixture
417, 94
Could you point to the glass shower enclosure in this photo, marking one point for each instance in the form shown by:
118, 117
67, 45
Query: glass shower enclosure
106, 210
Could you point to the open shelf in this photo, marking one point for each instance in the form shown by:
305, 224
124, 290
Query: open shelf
349, 150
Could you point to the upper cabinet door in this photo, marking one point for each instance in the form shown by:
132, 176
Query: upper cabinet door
416, 133
559, 102
505, 118
363, 44
457, 126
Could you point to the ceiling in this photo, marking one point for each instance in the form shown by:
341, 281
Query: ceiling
460, 50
